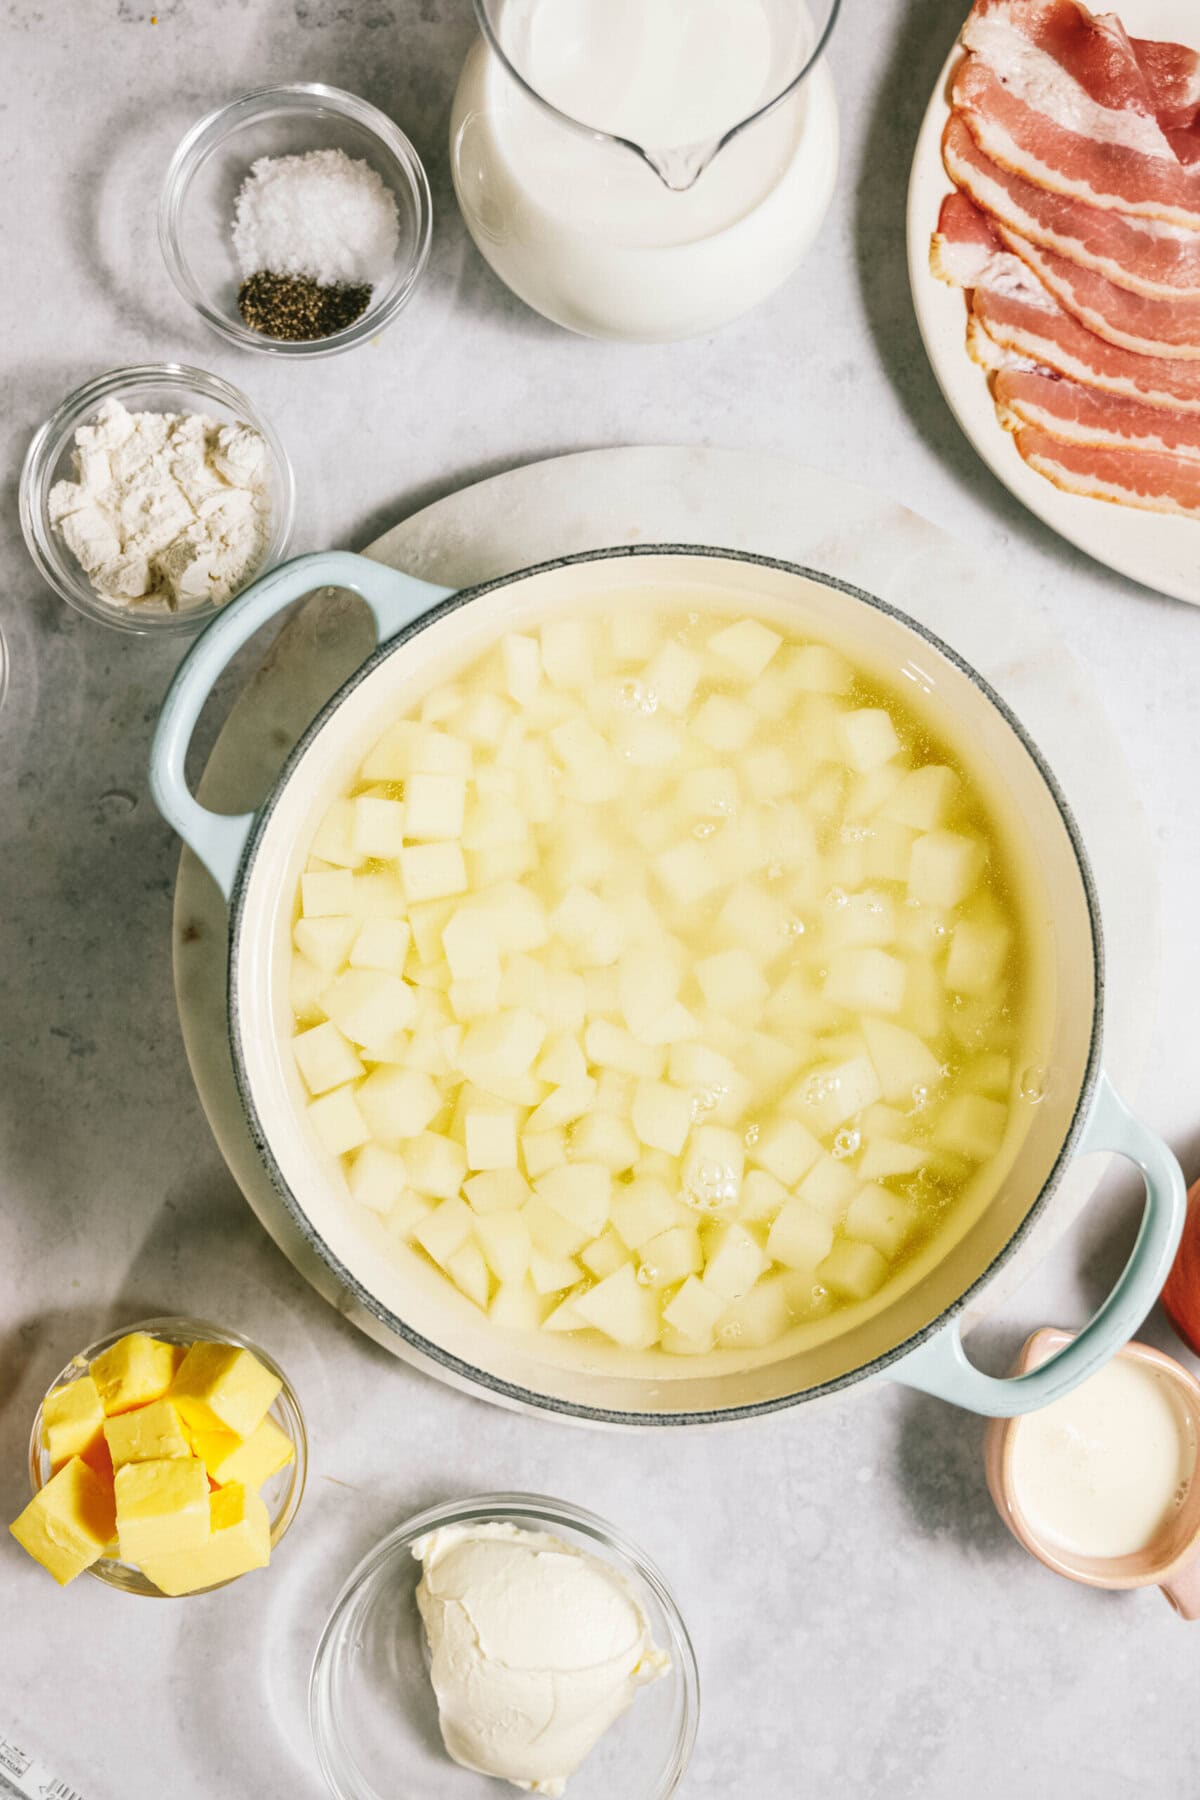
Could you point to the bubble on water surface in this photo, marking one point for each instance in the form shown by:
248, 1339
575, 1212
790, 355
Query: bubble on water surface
750, 1136
846, 1143
1033, 1085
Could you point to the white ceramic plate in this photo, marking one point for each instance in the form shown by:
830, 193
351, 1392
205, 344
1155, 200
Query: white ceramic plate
1159, 550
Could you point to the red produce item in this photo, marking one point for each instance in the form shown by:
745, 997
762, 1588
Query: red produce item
1181, 1295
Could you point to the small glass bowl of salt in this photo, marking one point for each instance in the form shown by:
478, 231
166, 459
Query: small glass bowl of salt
213, 167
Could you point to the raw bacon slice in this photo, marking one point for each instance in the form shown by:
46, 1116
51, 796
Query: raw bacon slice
1144, 255
1019, 315
1085, 416
1166, 484
1139, 322
1060, 97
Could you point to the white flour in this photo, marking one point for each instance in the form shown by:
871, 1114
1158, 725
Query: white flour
165, 506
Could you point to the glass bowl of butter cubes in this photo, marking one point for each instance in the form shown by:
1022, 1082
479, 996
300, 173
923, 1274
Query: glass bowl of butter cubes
153, 495
167, 1459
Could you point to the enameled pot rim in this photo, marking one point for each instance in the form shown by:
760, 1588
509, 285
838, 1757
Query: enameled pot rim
495, 1385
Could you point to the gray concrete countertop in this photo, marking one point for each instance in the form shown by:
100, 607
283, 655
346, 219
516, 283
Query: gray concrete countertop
864, 1624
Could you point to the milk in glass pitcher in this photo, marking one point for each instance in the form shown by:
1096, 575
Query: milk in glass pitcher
645, 169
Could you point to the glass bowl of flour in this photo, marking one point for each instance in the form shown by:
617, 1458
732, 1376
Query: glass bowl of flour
153, 495
211, 168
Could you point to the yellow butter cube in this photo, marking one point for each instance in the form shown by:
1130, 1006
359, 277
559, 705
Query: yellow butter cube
72, 1420
147, 1434
136, 1370
227, 1459
221, 1387
69, 1524
239, 1540
162, 1507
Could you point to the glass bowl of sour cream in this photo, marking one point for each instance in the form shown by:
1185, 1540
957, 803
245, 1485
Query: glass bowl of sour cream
372, 1707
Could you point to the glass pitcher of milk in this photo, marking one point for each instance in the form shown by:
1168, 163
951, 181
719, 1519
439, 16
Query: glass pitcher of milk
645, 169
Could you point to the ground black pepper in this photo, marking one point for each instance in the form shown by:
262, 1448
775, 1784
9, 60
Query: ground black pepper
298, 309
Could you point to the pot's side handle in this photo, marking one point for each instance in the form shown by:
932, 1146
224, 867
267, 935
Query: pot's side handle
940, 1365
395, 599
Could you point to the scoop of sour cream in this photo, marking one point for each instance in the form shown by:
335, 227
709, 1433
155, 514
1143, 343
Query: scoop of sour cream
536, 1648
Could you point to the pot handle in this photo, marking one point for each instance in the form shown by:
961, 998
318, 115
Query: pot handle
940, 1365
394, 599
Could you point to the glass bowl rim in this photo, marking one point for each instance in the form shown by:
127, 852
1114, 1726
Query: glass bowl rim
53, 561
515, 1507
206, 136
172, 1328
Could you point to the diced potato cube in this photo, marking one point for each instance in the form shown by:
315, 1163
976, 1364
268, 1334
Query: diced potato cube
800, 1237
925, 998
474, 999
325, 1058
642, 1209
832, 1093
762, 1197
522, 666
566, 1316
377, 1178
496, 1190
325, 942
594, 773
491, 1138
432, 871
562, 1061
647, 984
991, 1073
326, 894
688, 871
542, 1150
369, 1005
470, 947
662, 1116
610, 1046
944, 869
337, 1121
501, 1048
504, 1239
868, 791
481, 719
563, 1106
306, 984
752, 916
494, 822
732, 982
853, 1269
972, 1126
568, 651
445, 1230
758, 1318
978, 950
334, 840
428, 921
745, 647
924, 798
436, 1165
769, 773
647, 743
551, 1274
398, 1102
828, 1188
694, 1310
711, 1172
902, 1061
879, 1217
377, 895
439, 753
381, 944
516, 1306
671, 1255
868, 737
605, 1255
816, 669
887, 851
551, 1232
579, 1192
622, 1309
733, 1261
603, 1138
884, 1157
516, 918
865, 980
867, 918
785, 1148
391, 757
671, 676
468, 1270
434, 806
709, 793
723, 723
378, 827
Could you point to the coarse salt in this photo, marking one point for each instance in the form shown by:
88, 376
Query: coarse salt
323, 214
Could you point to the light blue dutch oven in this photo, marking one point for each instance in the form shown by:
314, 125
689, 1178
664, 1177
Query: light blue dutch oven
910, 1330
